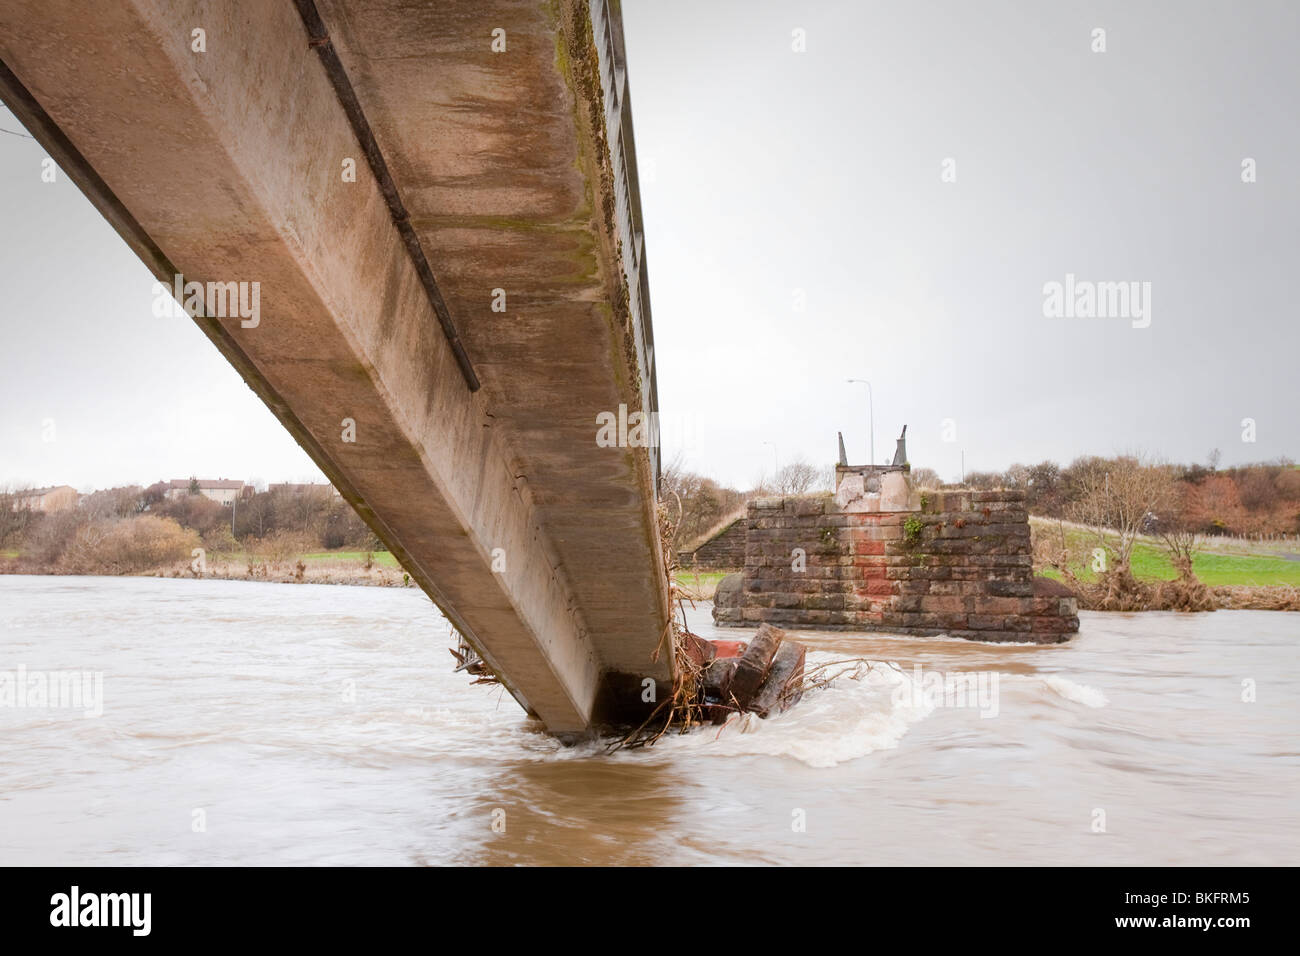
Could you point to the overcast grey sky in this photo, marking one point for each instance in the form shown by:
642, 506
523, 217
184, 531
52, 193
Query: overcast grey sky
769, 174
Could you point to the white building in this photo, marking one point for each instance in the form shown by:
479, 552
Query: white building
220, 490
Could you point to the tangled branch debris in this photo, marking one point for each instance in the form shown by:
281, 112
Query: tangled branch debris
468, 660
684, 708
718, 680
709, 687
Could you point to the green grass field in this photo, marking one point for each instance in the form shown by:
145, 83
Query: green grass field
383, 559
1151, 563
699, 585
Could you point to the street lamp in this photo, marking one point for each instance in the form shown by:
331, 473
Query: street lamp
871, 404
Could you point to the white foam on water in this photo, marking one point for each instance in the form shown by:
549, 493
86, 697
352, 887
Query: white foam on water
850, 719
1062, 687
845, 721
1079, 693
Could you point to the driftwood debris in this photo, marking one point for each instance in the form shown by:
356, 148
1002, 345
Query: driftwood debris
754, 665
468, 660
764, 677
781, 688
704, 690
715, 687
716, 679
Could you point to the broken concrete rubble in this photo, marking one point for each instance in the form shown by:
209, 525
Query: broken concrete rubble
762, 677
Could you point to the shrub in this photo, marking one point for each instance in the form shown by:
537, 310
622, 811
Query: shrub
283, 545
220, 541
128, 545
48, 536
1288, 484
1257, 490
343, 527
13, 519
194, 511
912, 528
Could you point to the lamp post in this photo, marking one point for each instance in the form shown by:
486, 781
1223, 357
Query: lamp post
871, 404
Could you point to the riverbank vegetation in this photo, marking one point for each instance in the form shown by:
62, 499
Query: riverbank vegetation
1259, 501
1124, 533
288, 533
1138, 529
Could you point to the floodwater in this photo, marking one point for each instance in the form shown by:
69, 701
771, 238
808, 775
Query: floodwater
255, 723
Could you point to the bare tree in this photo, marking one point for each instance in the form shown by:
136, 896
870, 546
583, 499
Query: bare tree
925, 478
114, 502
1122, 497
983, 480
1050, 548
15, 516
1182, 542
797, 478
703, 502
1043, 495
1017, 476
1178, 532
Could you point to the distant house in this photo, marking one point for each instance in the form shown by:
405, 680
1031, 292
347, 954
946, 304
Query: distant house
54, 498
220, 490
303, 488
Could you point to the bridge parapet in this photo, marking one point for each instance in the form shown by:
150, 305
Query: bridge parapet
607, 31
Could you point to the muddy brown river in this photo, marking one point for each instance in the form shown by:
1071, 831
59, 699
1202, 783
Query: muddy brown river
224, 722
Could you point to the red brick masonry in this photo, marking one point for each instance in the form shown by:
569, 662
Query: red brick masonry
960, 566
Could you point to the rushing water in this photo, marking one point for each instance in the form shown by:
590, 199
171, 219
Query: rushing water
312, 724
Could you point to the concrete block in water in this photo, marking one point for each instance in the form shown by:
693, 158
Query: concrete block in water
754, 664
786, 671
